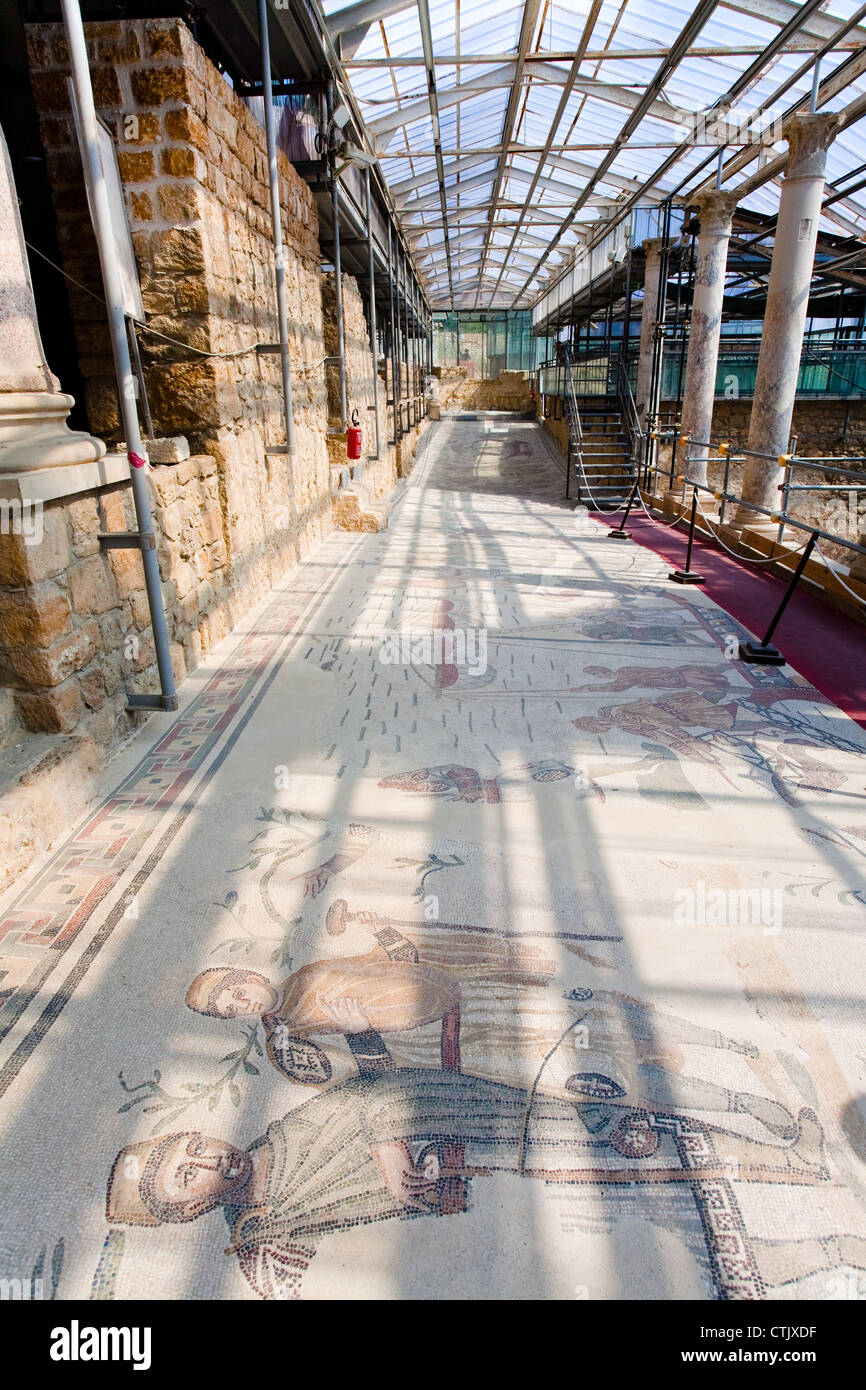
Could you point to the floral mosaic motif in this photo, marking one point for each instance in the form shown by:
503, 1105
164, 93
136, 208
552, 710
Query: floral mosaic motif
155, 1099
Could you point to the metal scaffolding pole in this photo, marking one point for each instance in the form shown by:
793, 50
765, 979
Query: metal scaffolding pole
395, 370
279, 261
405, 336
373, 330
415, 348
144, 539
338, 269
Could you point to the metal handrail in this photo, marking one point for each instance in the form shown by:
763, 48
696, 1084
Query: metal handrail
575, 428
775, 515
787, 463
628, 408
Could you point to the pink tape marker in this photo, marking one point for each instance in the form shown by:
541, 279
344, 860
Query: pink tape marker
136, 460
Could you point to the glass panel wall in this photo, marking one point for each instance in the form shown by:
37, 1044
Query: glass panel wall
485, 344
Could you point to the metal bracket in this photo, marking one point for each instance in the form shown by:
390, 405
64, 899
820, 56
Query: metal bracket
162, 702
127, 540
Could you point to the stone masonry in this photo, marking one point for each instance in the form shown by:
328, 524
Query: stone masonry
360, 489
232, 518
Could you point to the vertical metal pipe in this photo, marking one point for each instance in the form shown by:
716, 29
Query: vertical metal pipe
338, 268
373, 332
394, 372
102, 227
415, 346
279, 262
410, 348
405, 298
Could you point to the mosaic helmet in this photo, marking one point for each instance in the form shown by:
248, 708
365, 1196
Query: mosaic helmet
205, 990
132, 1181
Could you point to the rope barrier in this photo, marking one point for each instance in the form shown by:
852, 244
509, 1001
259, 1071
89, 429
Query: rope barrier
653, 520
829, 563
745, 559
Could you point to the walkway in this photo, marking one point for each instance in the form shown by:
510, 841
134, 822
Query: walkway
559, 941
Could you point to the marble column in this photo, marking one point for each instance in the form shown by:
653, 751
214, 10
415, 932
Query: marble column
645, 403
715, 210
33, 409
809, 136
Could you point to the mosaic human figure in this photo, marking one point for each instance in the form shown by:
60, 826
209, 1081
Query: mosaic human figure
388, 990
381, 1147
498, 1019
621, 1047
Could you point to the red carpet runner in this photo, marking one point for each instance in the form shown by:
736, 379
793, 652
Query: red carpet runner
824, 645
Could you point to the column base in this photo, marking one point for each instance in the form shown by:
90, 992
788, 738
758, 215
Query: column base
756, 654
687, 577
34, 434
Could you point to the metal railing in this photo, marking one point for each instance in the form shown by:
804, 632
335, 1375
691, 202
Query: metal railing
727, 455
836, 370
575, 428
628, 411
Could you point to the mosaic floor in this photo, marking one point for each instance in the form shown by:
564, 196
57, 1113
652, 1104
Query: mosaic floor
480, 928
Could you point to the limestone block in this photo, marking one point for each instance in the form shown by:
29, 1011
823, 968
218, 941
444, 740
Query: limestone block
91, 683
46, 783
153, 86
90, 586
50, 711
33, 617
174, 449
38, 666
162, 38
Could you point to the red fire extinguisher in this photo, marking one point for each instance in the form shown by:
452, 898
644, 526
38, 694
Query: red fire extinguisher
353, 437
532, 392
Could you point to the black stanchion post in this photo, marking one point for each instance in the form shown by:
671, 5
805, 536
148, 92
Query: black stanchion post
761, 653
688, 575
620, 533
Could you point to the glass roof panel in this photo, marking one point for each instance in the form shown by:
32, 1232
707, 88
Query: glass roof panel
475, 48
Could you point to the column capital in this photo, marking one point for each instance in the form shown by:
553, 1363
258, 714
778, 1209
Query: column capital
716, 207
809, 135
653, 246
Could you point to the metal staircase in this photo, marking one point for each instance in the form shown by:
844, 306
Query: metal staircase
605, 439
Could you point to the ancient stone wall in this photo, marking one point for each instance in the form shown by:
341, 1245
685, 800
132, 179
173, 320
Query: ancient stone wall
824, 429
193, 163
359, 486
508, 391
74, 620
75, 631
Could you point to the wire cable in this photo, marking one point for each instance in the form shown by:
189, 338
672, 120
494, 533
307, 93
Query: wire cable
835, 573
746, 560
165, 337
